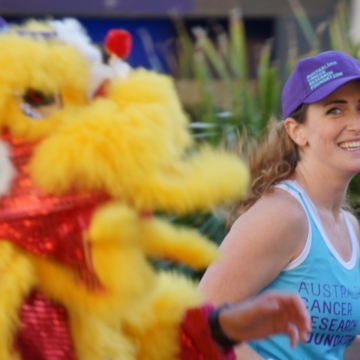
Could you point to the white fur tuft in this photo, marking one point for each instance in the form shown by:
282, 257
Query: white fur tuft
121, 69
71, 32
7, 170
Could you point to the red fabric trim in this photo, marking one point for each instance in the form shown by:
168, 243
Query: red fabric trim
47, 225
43, 333
195, 339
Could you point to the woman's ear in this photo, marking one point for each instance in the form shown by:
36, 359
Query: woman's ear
295, 131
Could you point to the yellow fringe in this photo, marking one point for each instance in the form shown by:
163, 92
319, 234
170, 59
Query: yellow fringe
155, 324
162, 240
17, 279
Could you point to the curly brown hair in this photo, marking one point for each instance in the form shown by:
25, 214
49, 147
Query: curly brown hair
271, 159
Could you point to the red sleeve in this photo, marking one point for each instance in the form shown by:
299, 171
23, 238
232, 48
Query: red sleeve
195, 339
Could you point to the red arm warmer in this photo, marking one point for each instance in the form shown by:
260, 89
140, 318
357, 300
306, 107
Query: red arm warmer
195, 339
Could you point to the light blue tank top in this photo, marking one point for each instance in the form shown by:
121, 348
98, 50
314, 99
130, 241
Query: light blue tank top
329, 287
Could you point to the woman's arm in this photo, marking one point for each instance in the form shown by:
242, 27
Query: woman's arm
352, 352
261, 243
270, 313
210, 333
267, 314
245, 352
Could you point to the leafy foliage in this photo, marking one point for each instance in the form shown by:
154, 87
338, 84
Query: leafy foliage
229, 101
241, 104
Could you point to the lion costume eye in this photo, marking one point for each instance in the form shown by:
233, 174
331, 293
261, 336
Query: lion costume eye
36, 98
38, 105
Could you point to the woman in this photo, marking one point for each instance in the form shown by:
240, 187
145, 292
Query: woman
292, 232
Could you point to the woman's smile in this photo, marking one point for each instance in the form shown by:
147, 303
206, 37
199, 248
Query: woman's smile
352, 145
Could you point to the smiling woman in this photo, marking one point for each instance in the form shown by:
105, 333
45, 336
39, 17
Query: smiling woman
292, 232
330, 141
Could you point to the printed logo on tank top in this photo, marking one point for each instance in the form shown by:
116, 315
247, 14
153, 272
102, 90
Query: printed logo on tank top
334, 322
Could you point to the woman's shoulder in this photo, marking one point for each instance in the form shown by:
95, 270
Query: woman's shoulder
280, 204
274, 230
278, 214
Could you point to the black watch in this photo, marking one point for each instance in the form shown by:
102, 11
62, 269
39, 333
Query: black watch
216, 332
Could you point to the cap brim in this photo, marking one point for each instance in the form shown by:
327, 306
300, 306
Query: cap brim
323, 91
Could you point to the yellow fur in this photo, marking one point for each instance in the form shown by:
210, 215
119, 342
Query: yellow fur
96, 340
161, 240
17, 279
48, 66
134, 146
156, 323
114, 140
144, 87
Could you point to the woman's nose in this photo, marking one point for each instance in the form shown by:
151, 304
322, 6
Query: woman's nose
354, 123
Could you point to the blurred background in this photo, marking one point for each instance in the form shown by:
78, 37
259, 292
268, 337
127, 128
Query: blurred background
229, 58
263, 19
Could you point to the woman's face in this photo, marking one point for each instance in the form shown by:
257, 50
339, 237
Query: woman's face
332, 130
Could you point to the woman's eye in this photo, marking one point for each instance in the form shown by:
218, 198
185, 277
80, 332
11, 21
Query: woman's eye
333, 111
36, 98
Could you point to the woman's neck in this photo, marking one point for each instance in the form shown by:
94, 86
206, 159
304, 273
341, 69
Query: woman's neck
326, 191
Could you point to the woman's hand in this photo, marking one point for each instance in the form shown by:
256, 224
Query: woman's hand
267, 314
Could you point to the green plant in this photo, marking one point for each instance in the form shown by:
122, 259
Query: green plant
241, 104
229, 101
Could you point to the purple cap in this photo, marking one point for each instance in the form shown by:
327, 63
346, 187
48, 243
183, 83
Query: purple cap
316, 77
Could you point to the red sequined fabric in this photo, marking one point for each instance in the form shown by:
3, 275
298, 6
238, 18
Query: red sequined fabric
51, 227
47, 225
43, 333
195, 339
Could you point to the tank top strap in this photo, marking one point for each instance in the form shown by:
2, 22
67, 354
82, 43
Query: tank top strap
292, 187
352, 234
297, 191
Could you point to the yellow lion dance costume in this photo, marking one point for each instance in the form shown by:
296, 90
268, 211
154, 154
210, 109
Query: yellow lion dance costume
80, 179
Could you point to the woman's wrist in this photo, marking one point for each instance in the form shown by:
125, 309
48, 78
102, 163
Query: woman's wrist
217, 327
